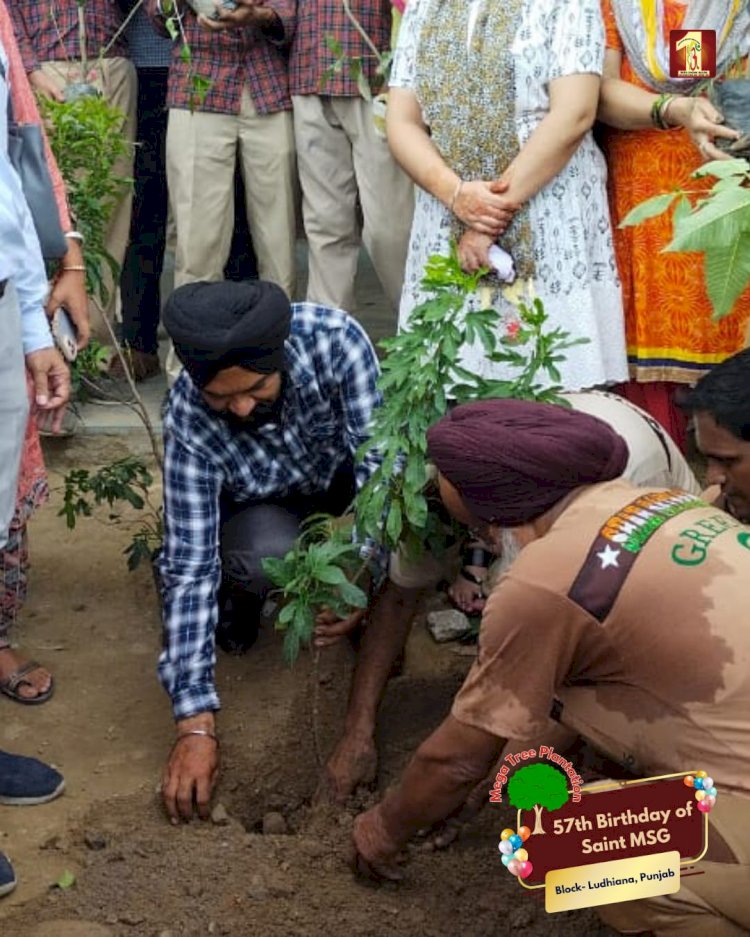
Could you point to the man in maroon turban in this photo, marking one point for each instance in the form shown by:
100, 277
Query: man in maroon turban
513, 460
499, 444
614, 595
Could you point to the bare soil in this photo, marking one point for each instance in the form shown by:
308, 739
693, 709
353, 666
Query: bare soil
108, 728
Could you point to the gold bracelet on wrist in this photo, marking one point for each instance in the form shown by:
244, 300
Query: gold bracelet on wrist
78, 267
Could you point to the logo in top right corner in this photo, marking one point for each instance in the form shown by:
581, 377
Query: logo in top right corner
692, 53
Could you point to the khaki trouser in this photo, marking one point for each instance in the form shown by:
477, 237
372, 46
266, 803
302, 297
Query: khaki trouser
116, 79
344, 167
202, 149
715, 903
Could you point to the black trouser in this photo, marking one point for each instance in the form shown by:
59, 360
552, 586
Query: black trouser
144, 259
252, 531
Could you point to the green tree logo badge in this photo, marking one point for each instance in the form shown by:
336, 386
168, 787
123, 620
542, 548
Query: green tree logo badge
537, 787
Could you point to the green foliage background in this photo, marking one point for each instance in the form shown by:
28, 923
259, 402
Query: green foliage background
86, 138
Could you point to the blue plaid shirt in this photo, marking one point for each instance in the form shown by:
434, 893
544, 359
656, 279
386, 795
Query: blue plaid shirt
329, 395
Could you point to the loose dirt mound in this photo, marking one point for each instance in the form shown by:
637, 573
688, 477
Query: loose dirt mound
108, 728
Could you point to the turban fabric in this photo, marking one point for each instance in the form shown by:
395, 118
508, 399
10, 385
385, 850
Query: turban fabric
512, 460
215, 326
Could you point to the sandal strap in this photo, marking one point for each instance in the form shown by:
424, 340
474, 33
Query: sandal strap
476, 556
19, 677
471, 577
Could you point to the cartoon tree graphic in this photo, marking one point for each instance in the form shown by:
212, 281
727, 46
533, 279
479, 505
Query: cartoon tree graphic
536, 787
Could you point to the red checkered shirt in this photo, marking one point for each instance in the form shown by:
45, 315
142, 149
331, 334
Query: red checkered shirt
47, 30
231, 59
319, 19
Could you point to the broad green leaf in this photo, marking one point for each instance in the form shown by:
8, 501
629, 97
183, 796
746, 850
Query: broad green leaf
275, 569
363, 86
286, 614
722, 168
331, 575
717, 223
648, 209
353, 595
393, 523
727, 275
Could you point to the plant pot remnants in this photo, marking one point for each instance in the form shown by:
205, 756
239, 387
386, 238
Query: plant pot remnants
80, 89
207, 8
732, 97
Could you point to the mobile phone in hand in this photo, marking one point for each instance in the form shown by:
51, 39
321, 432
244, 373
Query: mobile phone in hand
65, 334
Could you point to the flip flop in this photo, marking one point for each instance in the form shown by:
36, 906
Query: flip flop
17, 679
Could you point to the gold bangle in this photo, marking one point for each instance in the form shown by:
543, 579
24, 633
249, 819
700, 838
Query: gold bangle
78, 267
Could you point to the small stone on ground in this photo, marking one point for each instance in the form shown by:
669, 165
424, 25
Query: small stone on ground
447, 625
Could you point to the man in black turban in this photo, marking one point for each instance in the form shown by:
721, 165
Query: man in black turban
260, 431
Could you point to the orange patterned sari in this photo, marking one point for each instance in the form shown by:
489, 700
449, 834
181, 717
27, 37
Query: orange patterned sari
670, 334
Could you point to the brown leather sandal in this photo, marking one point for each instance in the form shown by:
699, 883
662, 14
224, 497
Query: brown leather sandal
18, 678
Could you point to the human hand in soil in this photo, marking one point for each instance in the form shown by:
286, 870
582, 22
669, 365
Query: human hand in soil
51, 383
704, 123
447, 831
191, 773
374, 850
473, 251
329, 628
354, 761
482, 208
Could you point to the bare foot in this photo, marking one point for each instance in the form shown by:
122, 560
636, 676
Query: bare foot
354, 761
34, 684
465, 595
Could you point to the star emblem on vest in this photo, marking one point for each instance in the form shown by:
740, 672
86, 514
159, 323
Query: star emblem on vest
608, 557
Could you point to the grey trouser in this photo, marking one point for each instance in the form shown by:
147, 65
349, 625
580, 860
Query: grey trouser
14, 405
253, 531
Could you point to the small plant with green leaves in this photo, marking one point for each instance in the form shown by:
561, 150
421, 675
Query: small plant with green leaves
198, 85
127, 480
86, 138
316, 572
714, 222
356, 65
421, 372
